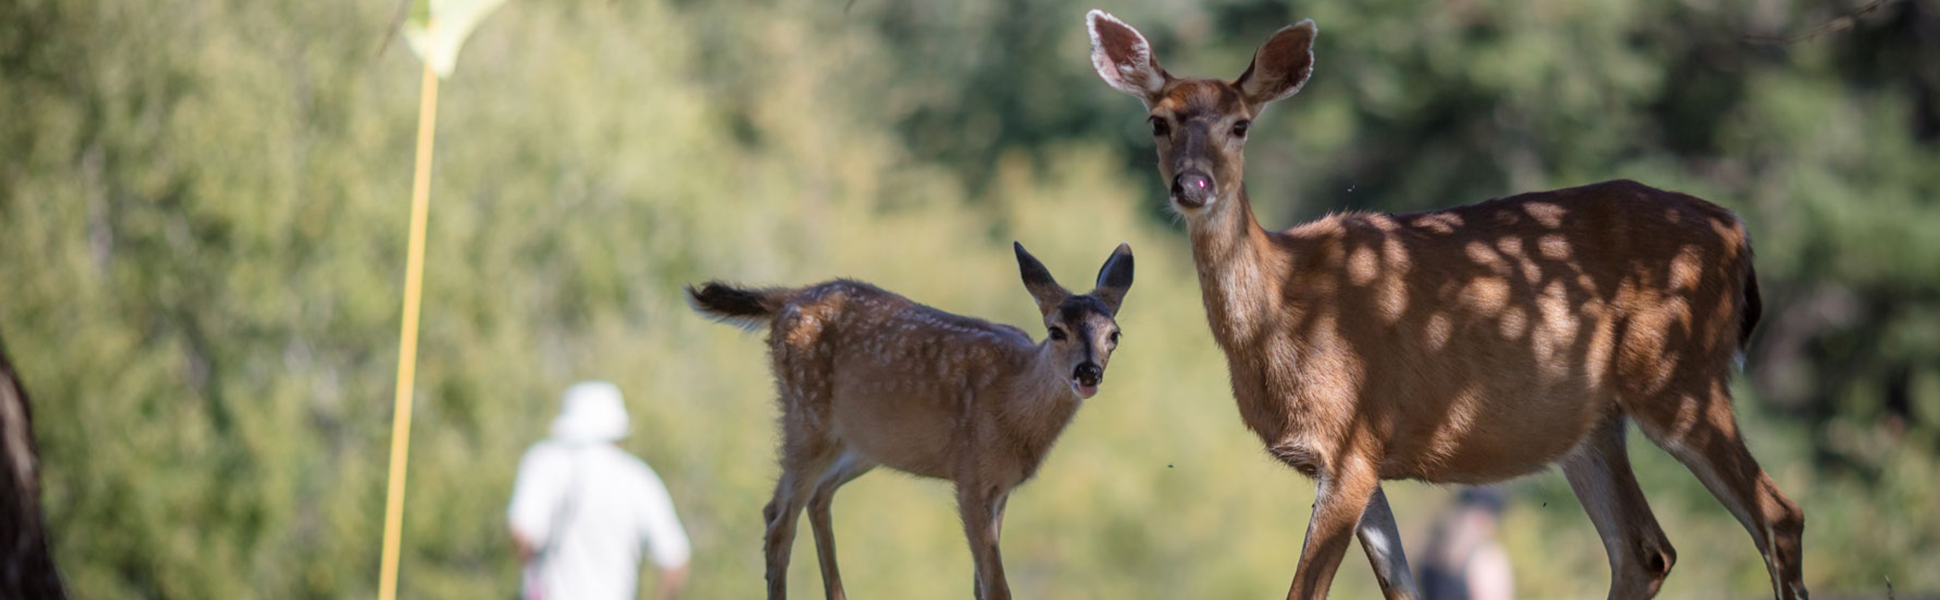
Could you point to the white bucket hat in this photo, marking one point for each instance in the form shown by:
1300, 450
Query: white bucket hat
591, 412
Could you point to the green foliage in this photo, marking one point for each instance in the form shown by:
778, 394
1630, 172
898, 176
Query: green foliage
202, 224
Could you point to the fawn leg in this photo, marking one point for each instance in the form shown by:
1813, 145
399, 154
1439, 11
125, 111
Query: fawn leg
805, 454
845, 469
982, 510
790, 494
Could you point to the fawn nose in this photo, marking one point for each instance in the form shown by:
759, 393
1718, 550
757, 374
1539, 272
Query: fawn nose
1192, 189
1088, 374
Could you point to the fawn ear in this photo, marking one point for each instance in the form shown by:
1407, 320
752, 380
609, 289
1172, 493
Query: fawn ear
1038, 281
1115, 278
1123, 57
1281, 65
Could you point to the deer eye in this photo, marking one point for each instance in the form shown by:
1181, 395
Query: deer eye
1160, 128
1057, 334
1114, 338
1239, 127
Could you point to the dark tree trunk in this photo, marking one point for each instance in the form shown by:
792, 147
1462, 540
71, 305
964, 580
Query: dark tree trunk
26, 567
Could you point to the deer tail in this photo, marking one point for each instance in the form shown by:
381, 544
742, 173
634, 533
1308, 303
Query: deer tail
747, 308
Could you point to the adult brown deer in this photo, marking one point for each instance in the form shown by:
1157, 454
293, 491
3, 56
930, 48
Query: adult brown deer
870, 378
1468, 345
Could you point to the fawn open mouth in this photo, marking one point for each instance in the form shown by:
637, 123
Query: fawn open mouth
1083, 389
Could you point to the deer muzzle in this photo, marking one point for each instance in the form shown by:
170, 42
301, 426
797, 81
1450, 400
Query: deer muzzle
1193, 189
1086, 377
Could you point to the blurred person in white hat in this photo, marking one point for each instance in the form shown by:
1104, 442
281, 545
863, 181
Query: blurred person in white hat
583, 510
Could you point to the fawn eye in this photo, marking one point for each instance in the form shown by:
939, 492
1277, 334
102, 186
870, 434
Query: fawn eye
1239, 127
1160, 128
1114, 338
1057, 333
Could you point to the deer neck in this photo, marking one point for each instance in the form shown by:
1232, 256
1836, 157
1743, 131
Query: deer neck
1235, 259
1040, 404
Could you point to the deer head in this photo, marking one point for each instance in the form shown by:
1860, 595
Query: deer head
1200, 124
1083, 329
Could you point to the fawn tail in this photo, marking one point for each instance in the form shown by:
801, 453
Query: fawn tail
747, 308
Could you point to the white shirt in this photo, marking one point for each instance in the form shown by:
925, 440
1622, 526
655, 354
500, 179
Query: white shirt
587, 509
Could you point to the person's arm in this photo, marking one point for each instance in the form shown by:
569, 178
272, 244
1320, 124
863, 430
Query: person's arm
672, 581
1489, 574
666, 540
535, 497
522, 547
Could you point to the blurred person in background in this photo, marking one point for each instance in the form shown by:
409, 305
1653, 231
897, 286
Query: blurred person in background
583, 509
1464, 560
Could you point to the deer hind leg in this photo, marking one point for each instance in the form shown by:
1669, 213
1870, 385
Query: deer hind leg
1699, 430
1599, 472
780, 515
805, 456
1382, 541
846, 468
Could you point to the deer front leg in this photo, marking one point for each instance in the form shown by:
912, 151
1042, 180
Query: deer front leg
982, 509
1343, 494
1382, 541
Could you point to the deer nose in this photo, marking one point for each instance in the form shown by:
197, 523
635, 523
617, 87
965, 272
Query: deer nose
1088, 374
1192, 189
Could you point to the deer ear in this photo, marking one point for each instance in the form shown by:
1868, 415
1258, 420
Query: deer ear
1115, 278
1123, 57
1038, 281
1281, 65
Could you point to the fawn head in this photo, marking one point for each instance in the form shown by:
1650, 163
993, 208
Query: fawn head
1200, 124
1083, 329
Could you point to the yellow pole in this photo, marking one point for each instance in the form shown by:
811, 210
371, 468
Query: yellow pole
407, 344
